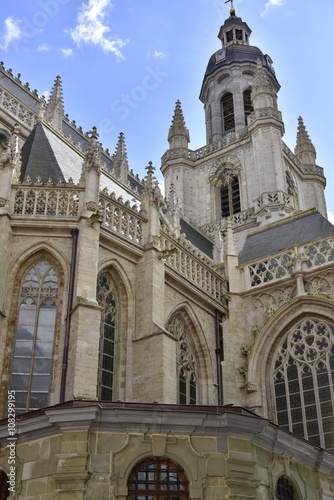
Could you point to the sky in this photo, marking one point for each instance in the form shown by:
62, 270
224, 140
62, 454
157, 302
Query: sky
124, 63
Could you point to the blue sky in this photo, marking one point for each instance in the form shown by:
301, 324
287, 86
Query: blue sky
124, 63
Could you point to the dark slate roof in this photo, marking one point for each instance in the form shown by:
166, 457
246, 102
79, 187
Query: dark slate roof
38, 158
297, 230
196, 238
235, 53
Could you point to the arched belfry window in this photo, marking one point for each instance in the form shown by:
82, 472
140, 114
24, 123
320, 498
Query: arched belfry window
228, 112
185, 363
105, 296
304, 381
157, 479
248, 107
284, 490
34, 340
225, 176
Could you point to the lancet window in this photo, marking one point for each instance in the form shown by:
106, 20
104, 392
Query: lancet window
186, 363
230, 197
34, 339
304, 381
105, 296
157, 479
228, 112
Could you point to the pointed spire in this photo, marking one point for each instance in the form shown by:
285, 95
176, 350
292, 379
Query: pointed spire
262, 90
121, 165
304, 150
178, 136
55, 107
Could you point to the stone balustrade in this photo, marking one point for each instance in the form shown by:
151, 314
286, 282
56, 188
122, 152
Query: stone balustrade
229, 138
45, 200
15, 108
300, 258
119, 217
189, 262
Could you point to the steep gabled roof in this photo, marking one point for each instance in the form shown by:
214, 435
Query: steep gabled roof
296, 230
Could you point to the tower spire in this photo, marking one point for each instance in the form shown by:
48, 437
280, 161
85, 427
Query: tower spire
178, 135
55, 107
232, 9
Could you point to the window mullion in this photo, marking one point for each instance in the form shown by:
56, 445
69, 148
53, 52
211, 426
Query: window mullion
318, 405
302, 402
287, 392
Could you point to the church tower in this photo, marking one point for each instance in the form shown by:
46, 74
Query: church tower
245, 171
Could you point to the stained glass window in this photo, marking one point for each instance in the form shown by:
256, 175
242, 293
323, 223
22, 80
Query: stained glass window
157, 479
32, 360
106, 299
304, 382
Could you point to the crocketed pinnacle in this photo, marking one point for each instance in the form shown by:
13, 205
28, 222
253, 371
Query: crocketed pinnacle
178, 127
121, 164
261, 83
304, 143
55, 107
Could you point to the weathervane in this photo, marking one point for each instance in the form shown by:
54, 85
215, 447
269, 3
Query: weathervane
230, 1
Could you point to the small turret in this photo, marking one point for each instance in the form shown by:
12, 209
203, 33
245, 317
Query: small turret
304, 150
263, 95
178, 136
121, 165
55, 108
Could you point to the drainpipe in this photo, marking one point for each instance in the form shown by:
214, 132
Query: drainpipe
74, 233
219, 356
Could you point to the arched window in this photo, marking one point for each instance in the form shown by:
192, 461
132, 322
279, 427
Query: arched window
157, 479
105, 296
284, 490
230, 197
186, 363
304, 382
248, 107
4, 487
228, 112
35, 330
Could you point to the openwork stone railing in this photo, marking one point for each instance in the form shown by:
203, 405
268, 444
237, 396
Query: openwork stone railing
21, 113
228, 138
119, 217
237, 220
264, 113
273, 198
50, 201
192, 264
300, 258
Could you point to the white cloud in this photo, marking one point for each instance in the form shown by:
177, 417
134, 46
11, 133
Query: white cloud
91, 27
43, 48
67, 52
12, 32
158, 54
272, 3
330, 217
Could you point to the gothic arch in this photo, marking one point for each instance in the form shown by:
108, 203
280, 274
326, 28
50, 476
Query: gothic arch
125, 325
268, 340
199, 347
20, 267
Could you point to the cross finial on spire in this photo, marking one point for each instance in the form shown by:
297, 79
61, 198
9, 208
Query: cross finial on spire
232, 9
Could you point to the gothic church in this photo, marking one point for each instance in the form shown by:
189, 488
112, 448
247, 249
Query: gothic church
166, 348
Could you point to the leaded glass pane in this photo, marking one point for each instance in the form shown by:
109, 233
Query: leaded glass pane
32, 360
106, 299
304, 374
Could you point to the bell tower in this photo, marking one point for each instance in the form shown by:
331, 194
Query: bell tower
226, 88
